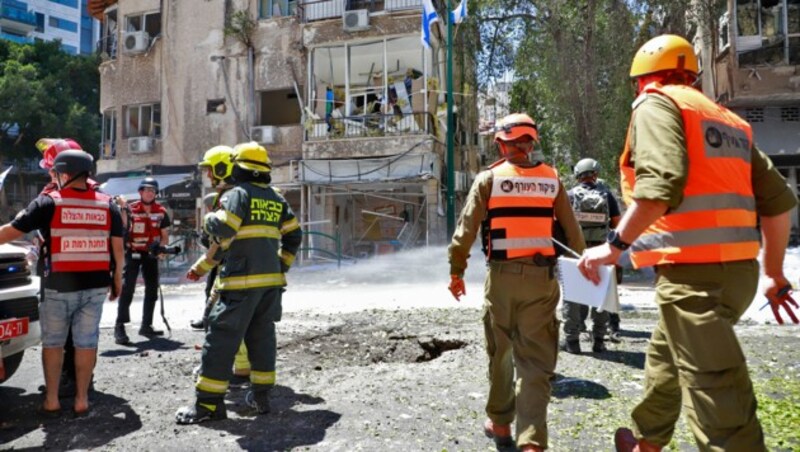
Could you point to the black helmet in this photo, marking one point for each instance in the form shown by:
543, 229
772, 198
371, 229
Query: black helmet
149, 182
73, 162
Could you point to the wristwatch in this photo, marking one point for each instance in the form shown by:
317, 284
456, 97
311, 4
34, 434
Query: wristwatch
615, 240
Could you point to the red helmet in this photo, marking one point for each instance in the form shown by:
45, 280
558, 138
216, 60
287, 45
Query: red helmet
51, 147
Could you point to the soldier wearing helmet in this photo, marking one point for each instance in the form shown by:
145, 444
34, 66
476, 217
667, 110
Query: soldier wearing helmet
513, 204
258, 236
597, 210
81, 228
693, 203
149, 227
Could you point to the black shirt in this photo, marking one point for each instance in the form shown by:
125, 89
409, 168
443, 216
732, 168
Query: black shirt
38, 216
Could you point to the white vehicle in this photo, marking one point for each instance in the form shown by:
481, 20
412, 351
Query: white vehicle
19, 308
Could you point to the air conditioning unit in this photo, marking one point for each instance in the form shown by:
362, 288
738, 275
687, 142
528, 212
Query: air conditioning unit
138, 145
461, 181
135, 42
264, 134
355, 20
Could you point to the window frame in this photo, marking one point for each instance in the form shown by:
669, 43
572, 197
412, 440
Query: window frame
143, 18
153, 122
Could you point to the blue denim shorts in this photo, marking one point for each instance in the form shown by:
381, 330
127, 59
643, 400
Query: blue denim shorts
81, 309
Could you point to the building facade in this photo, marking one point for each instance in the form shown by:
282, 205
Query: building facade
343, 94
750, 59
69, 21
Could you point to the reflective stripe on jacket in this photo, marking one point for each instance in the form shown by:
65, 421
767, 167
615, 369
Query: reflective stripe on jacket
80, 231
716, 219
254, 224
145, 227
520, 211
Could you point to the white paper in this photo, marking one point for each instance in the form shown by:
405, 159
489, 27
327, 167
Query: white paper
577, 289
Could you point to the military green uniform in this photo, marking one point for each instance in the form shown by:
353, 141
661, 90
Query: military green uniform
694, 357
259, 237
519, 317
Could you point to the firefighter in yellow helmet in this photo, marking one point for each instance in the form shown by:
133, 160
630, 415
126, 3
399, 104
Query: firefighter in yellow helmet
513, 204
259, 236
693, 202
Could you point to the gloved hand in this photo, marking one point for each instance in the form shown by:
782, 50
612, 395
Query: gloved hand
191, 275
457, 287
783, 299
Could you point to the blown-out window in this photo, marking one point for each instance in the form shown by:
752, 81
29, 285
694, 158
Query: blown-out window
142, 120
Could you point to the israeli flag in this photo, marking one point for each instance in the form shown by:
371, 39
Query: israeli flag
457, 15
429, 16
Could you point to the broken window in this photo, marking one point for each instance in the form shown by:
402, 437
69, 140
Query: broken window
767, 31
142, 120
280, 107
108, 42
371, 88
108, 144
277, 8
149, 22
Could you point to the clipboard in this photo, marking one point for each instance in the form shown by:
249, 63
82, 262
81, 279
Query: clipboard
577, 289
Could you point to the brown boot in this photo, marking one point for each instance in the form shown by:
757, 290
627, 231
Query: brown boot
626, 442
500, 433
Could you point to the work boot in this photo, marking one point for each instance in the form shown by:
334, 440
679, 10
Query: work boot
501, 434
197, 324
201, 412
571, 346
624, 441
599, 346
120, 336
149, 331
258, 400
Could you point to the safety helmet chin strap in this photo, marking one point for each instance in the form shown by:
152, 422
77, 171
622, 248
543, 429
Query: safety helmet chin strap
510, 152
71, 180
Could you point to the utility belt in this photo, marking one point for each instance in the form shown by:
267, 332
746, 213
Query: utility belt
529, 265
138, 255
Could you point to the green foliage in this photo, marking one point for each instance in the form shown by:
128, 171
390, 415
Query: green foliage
46, 93
241, 27
779, 412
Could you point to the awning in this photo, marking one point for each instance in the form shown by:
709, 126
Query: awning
129, 186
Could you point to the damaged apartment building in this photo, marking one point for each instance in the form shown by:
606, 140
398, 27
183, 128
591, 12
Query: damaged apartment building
344, 95
751, 64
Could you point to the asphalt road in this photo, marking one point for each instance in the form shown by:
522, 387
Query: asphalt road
371, 379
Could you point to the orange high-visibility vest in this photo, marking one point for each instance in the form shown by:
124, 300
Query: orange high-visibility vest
80, 231
520, 211
716, 220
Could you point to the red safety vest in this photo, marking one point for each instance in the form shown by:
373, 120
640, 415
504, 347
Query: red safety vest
520, 211
145, 227
52, 186
716, 220
80, 231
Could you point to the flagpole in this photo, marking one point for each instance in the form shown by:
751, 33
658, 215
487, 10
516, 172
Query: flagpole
451, 174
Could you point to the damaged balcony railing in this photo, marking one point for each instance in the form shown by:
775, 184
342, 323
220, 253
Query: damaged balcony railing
310, 11
107, 47
373, 125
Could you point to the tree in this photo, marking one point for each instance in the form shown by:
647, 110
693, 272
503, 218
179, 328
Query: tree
45, 92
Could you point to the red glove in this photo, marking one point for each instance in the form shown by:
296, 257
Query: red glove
785, 300
457, 287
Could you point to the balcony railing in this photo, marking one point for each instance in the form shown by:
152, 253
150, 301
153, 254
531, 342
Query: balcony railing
107, 47
15, 38
369, 126
310, 11
15, 11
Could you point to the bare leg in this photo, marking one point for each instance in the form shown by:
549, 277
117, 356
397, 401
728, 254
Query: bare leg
85, 359
52, 359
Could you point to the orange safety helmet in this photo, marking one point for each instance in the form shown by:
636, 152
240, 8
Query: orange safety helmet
664, 53
51, 147
515, 126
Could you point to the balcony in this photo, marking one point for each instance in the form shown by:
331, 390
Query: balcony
16, 38
14, 16
310, 11
370, 126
